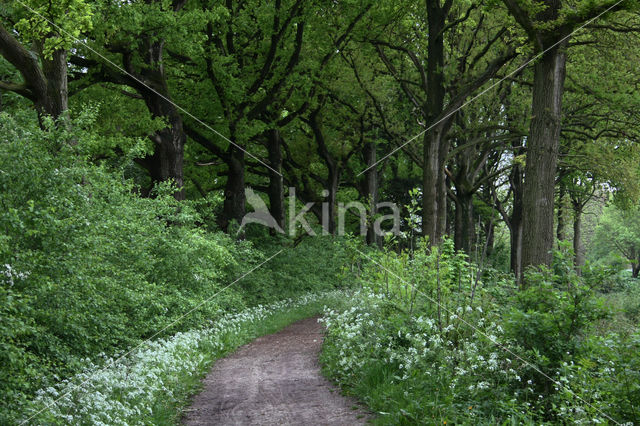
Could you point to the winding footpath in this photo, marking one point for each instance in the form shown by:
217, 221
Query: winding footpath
274, 380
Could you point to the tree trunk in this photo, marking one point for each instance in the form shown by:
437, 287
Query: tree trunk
577, 238
489, 224
166, 162
430, 171
432, 181
441, 191
458, 242
516, 222
542, 156
371, 190
276, 186
560, 230
490, 236
55, 99
635, 269
464, 235
333, 173
329, 213
234, 199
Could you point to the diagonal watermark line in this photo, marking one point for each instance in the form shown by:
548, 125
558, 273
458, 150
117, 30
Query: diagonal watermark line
492, 340
474, 98
122, 70
199, 305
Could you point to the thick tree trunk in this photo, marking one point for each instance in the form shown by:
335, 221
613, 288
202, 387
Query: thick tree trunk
577, 238
441, 191
542, 156
430, 171
635, 269
166, 162
465, 232
234, 199
55, 99
333, 174
433, 169
276, 186
371, 190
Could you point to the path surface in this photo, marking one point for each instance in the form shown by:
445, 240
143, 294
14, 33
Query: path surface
275, 380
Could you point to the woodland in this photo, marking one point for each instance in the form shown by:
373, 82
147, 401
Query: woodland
136, 138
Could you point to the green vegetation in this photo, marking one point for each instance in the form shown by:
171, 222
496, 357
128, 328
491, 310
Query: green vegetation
617, 239
90, 268
496, 141
486, 353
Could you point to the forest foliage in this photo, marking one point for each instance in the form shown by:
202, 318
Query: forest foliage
505, 133
89, 268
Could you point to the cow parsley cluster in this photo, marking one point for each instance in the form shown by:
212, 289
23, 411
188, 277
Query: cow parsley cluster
417, 356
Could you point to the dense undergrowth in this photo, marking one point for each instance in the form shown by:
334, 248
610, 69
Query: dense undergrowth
426, 341
87, 267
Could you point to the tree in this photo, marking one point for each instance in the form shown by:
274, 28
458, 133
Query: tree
413, 48
599, 149
261, 67
49, 29
548, 25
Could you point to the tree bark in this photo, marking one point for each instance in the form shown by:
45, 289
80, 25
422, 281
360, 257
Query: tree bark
577, 238
465, 232
441, 191
433, 169
166, 162
333, 172
542, 156
490, 228
516, 221
45, 81
329, 216
55, 101
234, 199
276, 185
560, 230
430, 170
371, 189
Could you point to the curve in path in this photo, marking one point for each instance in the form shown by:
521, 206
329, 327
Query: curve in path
274, 380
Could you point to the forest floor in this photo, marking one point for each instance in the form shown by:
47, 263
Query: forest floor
275, 379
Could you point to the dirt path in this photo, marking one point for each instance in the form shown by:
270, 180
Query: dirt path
274, 380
